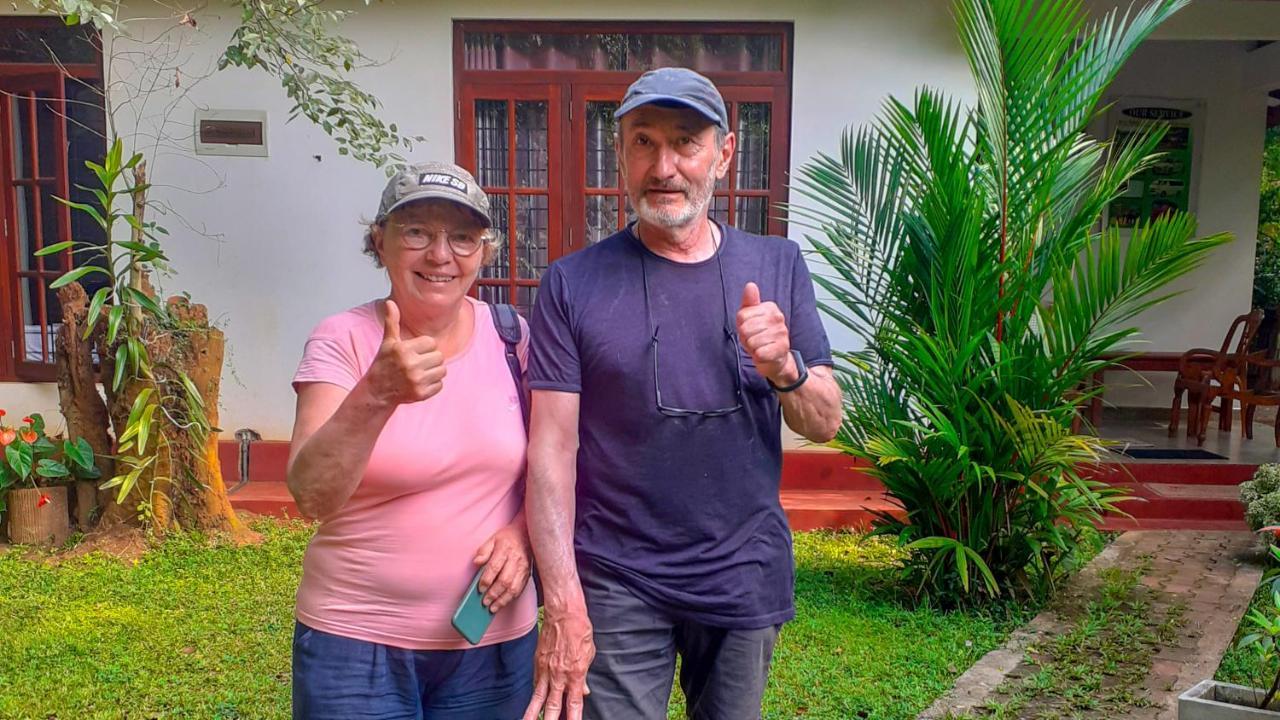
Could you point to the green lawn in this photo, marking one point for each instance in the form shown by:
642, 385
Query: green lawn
198, 631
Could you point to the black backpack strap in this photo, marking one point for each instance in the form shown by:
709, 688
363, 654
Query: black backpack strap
507, 323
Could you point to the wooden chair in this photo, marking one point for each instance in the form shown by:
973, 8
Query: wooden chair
1260, 394
1207, 375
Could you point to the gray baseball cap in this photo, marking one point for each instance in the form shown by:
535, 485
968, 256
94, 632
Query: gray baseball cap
434, 180
678, 87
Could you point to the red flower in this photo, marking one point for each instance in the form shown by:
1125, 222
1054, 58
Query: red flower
7, 435
28, 436
44, 500
1273, 529
27, 421
2, 413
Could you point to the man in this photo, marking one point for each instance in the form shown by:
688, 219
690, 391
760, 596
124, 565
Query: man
663, 360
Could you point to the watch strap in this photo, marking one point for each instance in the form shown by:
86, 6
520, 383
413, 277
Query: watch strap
801, 367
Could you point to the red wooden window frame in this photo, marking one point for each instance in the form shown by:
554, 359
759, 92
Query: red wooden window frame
511, 188
570, 90
43, 82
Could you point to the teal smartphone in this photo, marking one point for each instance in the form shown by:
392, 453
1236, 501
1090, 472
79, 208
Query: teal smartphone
472, 618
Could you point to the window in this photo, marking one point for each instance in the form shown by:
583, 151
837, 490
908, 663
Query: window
535, 124
51, 121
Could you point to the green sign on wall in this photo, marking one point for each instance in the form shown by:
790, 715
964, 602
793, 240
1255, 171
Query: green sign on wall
1166, 185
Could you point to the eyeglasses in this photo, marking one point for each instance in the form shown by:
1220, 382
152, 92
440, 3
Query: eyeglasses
731, 339
419, 237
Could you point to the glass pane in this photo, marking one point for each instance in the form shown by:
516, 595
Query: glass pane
602, 217
52, 309
86, 140
531, 144
753, 146
615, 51
720, 209
35, 348
525, 297
21, 138
630, 211
498, 268
47, 115
481, 51
491, 142
752, 214
531, 236
46, 43
50, 209
493, 294
705, 52
25, 205
602, 161
743, 53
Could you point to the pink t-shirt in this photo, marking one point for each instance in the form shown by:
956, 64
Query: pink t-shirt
446, 473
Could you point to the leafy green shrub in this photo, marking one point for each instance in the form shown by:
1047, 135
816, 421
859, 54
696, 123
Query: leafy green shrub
1263, 622
966, 249
1261, 496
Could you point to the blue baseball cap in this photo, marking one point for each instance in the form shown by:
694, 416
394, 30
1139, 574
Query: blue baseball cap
676, 87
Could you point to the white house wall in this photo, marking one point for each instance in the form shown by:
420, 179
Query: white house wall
272, 245
1225, 197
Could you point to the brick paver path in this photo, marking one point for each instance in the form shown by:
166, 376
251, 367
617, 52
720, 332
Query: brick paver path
1207, 577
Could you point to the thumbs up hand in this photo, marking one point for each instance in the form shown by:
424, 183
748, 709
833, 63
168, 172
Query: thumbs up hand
762, 332
404, 371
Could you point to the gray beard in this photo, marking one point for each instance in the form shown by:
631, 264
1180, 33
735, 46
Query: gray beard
698, 201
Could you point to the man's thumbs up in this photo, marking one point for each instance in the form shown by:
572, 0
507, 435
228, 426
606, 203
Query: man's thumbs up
762, 332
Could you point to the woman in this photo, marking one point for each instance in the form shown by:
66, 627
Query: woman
409, 447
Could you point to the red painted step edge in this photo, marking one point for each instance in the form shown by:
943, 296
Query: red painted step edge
801, 469
823, 489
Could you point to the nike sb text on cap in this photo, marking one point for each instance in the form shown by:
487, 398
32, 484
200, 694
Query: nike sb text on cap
434, 181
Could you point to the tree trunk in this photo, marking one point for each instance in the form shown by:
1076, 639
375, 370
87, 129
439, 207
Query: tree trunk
184, 488
82, 405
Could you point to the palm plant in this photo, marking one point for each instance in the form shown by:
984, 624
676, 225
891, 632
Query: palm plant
966, 249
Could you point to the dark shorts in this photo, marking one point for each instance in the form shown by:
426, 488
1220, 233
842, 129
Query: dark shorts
339, 678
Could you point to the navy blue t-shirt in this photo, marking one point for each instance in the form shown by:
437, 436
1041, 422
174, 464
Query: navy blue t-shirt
683, 510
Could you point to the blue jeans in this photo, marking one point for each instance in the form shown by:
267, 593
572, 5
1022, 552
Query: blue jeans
339, 678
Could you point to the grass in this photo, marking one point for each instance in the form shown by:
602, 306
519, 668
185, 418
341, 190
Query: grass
194, 630
1241, 665
1244, 666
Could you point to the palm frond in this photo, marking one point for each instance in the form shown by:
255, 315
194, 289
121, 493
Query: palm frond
962, 246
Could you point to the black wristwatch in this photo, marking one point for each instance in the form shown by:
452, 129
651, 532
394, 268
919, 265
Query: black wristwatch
800, 366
